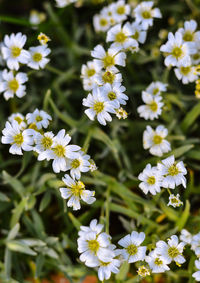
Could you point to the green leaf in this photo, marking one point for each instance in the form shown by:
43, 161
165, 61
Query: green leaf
14, 183
124, 269
180, 151
190, 117
75, 221
13, 232
18, 246
3, 197
45, 201
17, 212
184, 216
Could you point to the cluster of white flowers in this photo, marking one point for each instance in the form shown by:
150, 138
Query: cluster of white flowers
64, 3
97, 251
13, 57
28, 134
182, 51
101, 76
167, 174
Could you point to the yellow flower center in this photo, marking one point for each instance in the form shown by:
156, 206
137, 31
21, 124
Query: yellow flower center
121, 10
77, 188
173, 252
108, 77
188, 36
13, 85
15, 51
103, 22
18, 119
108, 61
112, 95
120, 37
132, 249
155, 90
38, 118
146, 14
135, 35
185, 70
177, 52
59, 150
46, 142
151, 180
91, 72
33, 126
153, 106
102, 263
143, 271
37, 57
158, 261
157, 139
173, 170
18, 139
75, 163
174, 200
196, 56
98, 107
93, 246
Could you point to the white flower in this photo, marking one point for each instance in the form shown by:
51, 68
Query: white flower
93, 227
132, 251
173, 172
188, 32
157, 263
106, 268
120, 11
108, 59
153, 107
43, 144
122, 37
108, 12
88, 72
178, 51
186, 236
186, 73
144, 14
138, 33
156, 88
155, 140
43, 38
174, 200
13, 84
98, 106
12, 134
64, 3
13, 51
101, 23
114, 93
75, 191
60, 150
19, 118
151, 180
195, 244
38, 57
36, 17
39, 117
171, 251
196, 274
79, 164
109, 77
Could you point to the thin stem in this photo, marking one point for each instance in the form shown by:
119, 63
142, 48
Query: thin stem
107, 209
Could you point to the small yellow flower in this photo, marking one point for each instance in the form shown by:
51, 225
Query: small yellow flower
43, 38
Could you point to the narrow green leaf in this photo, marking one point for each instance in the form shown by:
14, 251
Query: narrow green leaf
45, 201
184, 216
8, 263
75, 221
17, 212
191, 117
14, 183
13, 232
124, 269
18, 246
3, 197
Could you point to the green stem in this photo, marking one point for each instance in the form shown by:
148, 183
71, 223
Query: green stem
54, 70
107, 209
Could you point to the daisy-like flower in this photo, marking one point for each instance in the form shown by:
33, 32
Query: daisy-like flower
178, 51
93, 227
40, 118
186, 73
38, 57
75, 191
171, 251
122, 37
101, 22
109, 77
196, 274
152, 108
173, 172
157, 263
132, 250
107, 267
79, 164
60, 151
155, 141
98, 106
94, 247
156, 88
88, 74
64, 3
174, 201
121, 113
19, 118
43, 38
151, 180
139, 33
120, 11
195, 244
108, 59
144, 14
143, 271
13, 51
36, 17
108, 12
114, 93
12, 134
186, 236
189, 33
13, 84
43, 144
